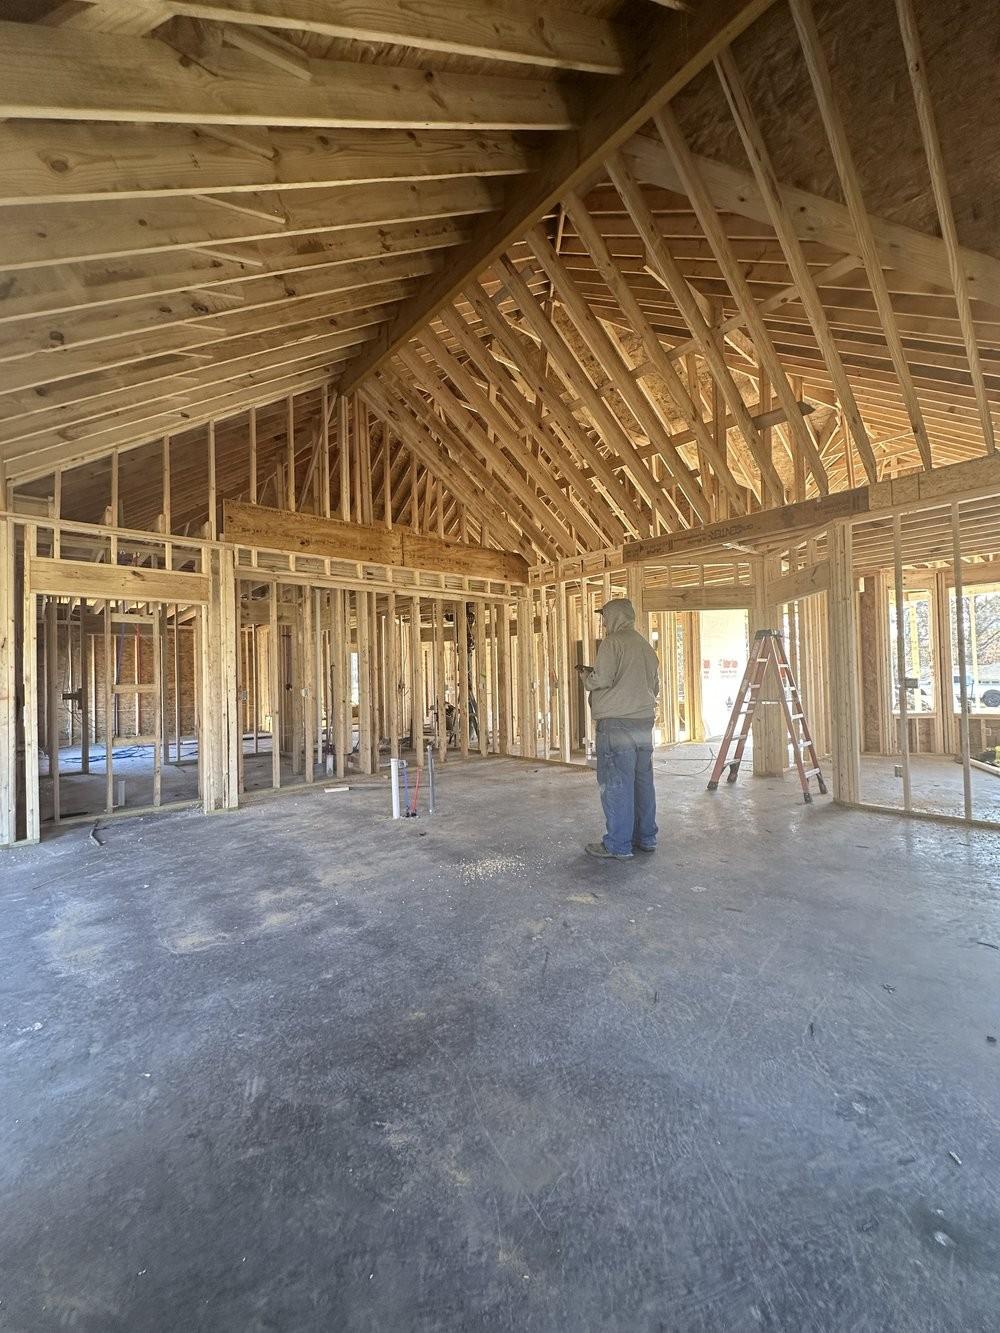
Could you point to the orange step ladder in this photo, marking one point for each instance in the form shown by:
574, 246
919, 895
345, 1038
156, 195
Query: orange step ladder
768, 648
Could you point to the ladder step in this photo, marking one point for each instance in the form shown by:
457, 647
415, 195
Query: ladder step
813, 773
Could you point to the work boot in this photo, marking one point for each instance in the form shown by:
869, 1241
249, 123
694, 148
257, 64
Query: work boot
599, 850
638, 847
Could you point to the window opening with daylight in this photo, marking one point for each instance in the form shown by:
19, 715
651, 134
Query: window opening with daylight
918, 643
982, 649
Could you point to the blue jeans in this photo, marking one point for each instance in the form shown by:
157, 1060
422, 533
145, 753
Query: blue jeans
625, 779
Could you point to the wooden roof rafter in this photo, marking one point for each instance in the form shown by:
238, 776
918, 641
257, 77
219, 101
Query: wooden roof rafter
610, 333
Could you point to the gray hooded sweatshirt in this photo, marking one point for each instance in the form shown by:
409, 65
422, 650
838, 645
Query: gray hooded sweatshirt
625, 680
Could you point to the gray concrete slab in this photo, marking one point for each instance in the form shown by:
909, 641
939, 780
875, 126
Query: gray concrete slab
299, 1068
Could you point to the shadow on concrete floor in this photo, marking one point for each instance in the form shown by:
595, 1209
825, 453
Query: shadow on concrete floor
301, 1068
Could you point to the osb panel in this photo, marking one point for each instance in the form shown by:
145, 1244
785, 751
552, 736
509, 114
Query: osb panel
961, 42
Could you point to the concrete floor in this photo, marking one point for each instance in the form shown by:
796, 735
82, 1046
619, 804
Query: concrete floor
86, 793
300, 1068
935, 786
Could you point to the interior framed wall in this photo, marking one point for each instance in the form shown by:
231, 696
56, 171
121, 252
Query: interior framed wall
232, 658
930, 661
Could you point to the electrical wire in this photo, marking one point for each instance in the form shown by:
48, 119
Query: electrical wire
689, 759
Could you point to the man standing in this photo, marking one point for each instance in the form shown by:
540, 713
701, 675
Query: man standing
624, 685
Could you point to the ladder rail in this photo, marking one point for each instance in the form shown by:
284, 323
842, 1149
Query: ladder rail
767, 648
748, 688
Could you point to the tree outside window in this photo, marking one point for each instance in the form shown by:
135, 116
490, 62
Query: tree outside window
982, 648
918, 649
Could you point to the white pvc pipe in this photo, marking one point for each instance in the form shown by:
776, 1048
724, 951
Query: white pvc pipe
394, 770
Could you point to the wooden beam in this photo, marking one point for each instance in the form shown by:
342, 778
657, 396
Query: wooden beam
135, 17
784, 227
674, 49
29, 293
670, 132
659, 254
83, 163
822, 220
549, 525
573, 431
52, 74
654, 350
800, 583
8, 689
712, 597
421, 551
591, 507
767, 524
609, 359
75, 413
396, 403
850, 184
565, 39
43, 234
942, 198
41, 458
83, 578
310, 534
842, 667
210, 340
569, 369
46, 335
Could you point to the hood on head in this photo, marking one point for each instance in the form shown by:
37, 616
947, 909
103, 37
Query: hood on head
618, 614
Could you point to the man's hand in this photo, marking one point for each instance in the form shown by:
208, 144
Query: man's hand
581, 669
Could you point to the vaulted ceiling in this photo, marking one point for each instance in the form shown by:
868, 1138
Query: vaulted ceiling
621, 268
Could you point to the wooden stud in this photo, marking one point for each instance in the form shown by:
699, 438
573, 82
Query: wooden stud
29, 677
344, 445
157, 656
177, 684
901, 698
115, 512
274, 683
464, 670
416, 683
543, 672
563, 674
588, 615
110, 680
841, 669
213, 504
392, 674
480, 676
963, 665
86, 685
8, 688
52, 698
694, 727
525, 720
362, 612
343, 729
440, 695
